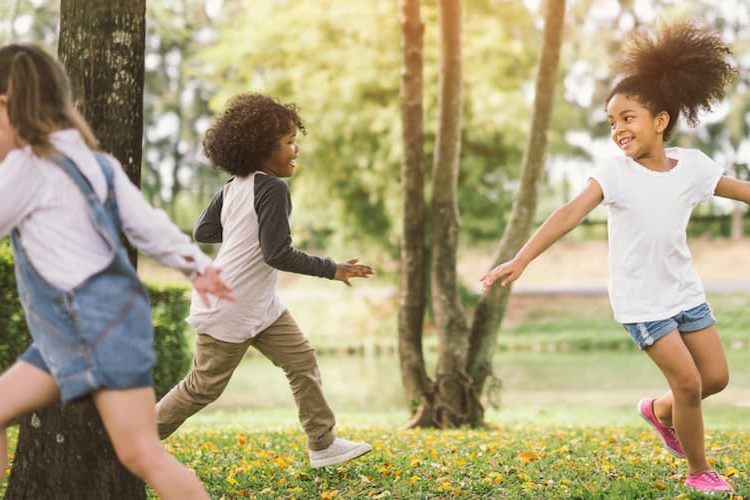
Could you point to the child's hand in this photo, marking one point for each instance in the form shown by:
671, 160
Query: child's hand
511, 269
350, 269
209, 282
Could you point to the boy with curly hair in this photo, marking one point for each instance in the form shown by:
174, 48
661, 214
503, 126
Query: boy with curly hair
254, 141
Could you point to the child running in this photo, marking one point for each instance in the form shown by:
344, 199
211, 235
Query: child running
64, 205
254, 140
650, 192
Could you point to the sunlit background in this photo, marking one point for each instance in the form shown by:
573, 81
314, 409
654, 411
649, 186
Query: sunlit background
339, 61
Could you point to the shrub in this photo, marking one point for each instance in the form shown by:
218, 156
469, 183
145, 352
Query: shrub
169, 307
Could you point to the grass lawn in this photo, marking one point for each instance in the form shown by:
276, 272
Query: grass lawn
516, 461
564, 426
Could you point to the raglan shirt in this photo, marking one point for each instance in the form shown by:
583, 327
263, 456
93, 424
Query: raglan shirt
250, 217
651, 276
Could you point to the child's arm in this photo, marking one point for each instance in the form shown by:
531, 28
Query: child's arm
208, 229
151, 231
273, 207
734, 189
350, 269
555, 227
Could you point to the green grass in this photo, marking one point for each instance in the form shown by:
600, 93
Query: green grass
518, 461
561, 424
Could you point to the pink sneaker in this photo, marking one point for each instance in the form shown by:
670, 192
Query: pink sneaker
667, 434
707, 481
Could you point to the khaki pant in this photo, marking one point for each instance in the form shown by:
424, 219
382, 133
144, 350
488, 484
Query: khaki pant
215, 361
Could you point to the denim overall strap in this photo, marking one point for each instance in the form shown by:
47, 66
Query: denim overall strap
104, 215
98, 334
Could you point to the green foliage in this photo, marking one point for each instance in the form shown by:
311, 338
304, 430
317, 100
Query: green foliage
169, 306
340, 61
12, 321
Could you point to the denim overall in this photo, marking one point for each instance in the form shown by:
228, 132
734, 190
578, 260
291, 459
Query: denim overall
98, 335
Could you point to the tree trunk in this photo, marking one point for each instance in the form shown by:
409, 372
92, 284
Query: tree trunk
64, 451
455, 402
66, 455
491, 308
417, 384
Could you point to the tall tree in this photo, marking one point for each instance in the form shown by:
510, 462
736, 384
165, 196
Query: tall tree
465, 354
491, 308
412, 289
454, 402
64, 451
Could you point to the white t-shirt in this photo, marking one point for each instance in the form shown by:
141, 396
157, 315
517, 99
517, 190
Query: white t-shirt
650, 267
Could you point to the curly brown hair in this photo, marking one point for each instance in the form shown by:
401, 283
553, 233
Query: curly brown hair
682, 68
247, 132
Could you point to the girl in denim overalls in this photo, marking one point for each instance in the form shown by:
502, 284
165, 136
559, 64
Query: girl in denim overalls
64, 206
650, 192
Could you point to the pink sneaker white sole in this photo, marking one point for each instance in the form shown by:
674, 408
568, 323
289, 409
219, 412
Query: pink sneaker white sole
707, 481
667, 434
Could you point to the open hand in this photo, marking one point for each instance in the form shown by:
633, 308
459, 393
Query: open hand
510, 271
350, 269
210, 283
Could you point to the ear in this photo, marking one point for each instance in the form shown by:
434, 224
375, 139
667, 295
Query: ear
661, 121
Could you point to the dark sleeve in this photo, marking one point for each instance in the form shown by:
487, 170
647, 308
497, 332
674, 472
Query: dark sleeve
208, 228
273, 206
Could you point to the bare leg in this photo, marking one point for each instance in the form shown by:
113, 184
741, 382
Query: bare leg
708, 353
674, 359
23, 388
130, 419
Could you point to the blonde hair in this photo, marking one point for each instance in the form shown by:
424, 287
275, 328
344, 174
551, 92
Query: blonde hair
39, 97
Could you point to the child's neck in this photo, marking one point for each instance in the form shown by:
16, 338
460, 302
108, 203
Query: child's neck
657, 160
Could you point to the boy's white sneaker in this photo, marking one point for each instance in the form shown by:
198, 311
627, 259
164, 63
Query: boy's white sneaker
338, 452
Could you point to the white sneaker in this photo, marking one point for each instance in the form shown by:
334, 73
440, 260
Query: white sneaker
338, 452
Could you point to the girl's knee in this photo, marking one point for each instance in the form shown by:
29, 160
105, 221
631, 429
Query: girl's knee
716, 383
687, 386
140, 455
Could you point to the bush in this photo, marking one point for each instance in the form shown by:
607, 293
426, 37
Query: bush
169, 307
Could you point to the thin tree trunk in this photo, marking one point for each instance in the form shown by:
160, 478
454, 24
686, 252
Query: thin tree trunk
455, 402
64, 451
491, 308
414, 377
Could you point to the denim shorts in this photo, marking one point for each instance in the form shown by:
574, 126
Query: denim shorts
692, 320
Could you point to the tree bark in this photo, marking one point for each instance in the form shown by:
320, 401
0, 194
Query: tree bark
64, 451
417, 384
491, 308
455, 402
66, 455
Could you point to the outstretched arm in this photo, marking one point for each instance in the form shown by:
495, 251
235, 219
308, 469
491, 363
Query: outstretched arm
555, 227
273, 206
734, 189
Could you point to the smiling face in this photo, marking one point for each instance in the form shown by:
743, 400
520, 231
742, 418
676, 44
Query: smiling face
634, 128
283, 160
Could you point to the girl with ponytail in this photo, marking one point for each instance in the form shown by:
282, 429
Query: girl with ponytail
650, 191
65, 205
